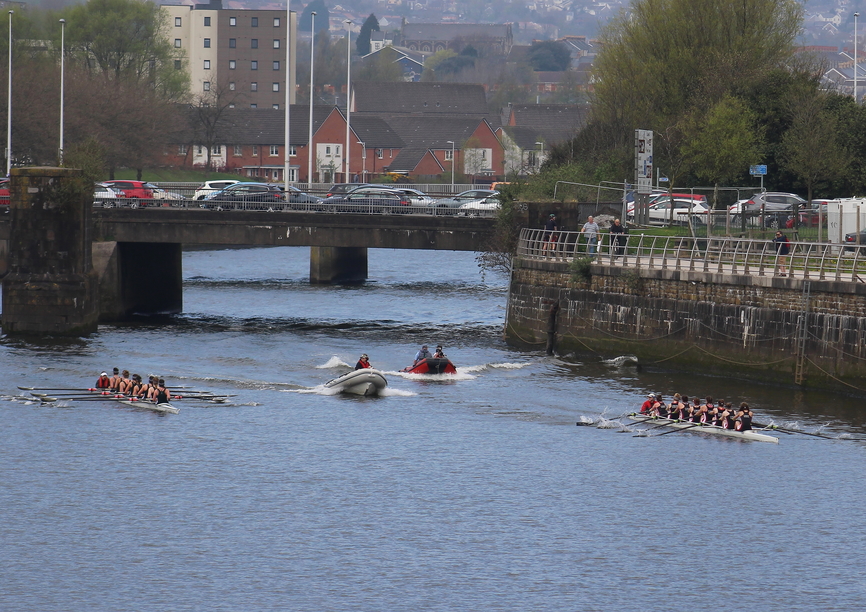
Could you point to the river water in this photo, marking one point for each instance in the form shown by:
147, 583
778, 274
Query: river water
476, 492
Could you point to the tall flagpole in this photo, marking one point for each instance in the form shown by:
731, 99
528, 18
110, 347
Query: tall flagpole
62, 82
346, 176
310, 152
9, 105
287, 166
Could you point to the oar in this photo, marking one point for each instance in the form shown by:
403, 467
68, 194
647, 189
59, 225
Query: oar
793, 431
59, 389
681, 429
643, 431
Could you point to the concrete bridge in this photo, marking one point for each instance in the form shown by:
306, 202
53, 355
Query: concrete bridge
92, 261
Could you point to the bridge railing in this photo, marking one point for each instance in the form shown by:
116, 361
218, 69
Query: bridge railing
805, 260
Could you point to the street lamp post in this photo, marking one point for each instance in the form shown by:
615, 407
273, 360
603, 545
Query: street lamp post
348, 96
9, 104
364, 158
62, 82
451, 142
856, 15
287, 167
310, 137
541, 155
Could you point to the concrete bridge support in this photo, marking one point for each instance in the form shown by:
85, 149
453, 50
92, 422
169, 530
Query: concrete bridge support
51, 287
338, 265
138, 278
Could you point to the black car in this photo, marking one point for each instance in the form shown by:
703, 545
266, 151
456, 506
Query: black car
298, 200
247, 196
855, 240
368, 200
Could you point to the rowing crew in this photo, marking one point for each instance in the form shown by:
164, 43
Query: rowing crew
154, 389
707, 412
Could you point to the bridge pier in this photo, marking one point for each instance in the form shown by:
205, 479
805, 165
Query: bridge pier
51, 287
138, 278
338, 265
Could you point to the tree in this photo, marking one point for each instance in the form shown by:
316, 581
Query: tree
810, 148
208, 114
323, 16
549, 55
362, 44
379, 67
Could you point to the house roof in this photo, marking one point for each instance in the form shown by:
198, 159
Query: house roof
550, 123
419, 98
433, 132
266, 126
408, 159
374, 132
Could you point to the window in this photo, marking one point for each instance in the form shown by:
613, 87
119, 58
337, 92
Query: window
178, 64
293, 150
238, 151
254, 65
448, 155
275, 106
276, 65
276, 22
177, 43
254, 43
207, 43
206, 85
255, 150
177, 22
254, 86
199, 150
254, 22
380, 153
275, 150
328, 151
232, 64
216, 150
182, 149
254, 105
232, 86
231, 105
233, 21
337, 150
233, 43
207, 22
207, 64
276, 43
275, 87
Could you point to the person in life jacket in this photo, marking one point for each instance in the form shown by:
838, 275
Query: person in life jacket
103, 382
363, 362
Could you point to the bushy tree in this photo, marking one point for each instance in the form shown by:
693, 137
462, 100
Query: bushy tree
549, 55
362, 44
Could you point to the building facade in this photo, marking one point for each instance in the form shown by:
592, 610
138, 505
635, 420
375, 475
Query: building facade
236, 57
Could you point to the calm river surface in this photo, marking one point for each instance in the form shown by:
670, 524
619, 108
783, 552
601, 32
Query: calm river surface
472, 493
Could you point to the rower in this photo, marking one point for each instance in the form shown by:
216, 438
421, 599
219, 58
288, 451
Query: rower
743, 420
677, 409
115, 380
363, 362
161, 393
103, 382
659, 409
125, 383
135, 387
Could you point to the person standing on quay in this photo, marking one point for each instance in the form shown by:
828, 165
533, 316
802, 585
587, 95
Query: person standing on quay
618, 237
782, 250
590, 228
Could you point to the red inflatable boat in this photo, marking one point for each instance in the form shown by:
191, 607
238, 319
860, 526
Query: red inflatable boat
432, 366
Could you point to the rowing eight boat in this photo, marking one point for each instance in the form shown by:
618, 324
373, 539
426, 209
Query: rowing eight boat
164, 408
750, 434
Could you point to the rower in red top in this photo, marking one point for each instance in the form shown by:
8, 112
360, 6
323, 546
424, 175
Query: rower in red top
103, 382
363, 362
648, 403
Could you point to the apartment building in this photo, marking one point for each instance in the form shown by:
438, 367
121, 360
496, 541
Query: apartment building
236, 57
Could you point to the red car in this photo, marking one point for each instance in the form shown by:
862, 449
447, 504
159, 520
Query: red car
133, 189
4, 191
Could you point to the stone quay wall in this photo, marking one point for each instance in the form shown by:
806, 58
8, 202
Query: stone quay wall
729, 325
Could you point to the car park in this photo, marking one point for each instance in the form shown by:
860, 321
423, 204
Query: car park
210, 187
247, 196
450, 206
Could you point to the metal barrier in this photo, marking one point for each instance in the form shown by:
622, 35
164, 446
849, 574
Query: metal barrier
738, 256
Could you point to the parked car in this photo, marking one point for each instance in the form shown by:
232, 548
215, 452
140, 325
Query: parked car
299, 199
810, 217
105, 195
344, 188
773, 202
209, 187
660, 212
854, 240
168, 197
475, 208
691, 196
368, 200
416, 197
449, 206
246, 196
133, 189
4, 192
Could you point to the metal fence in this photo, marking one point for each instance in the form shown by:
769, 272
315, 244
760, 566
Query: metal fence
742, 256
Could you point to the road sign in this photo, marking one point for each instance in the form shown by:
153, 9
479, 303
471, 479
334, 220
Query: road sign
760, 170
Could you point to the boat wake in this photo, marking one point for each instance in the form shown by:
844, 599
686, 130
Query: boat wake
333, 362
460, 375
494, 366
622, 361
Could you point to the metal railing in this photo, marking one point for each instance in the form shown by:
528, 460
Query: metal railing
724, 255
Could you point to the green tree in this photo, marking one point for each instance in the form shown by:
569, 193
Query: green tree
362, 44
323, 16
379, 67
